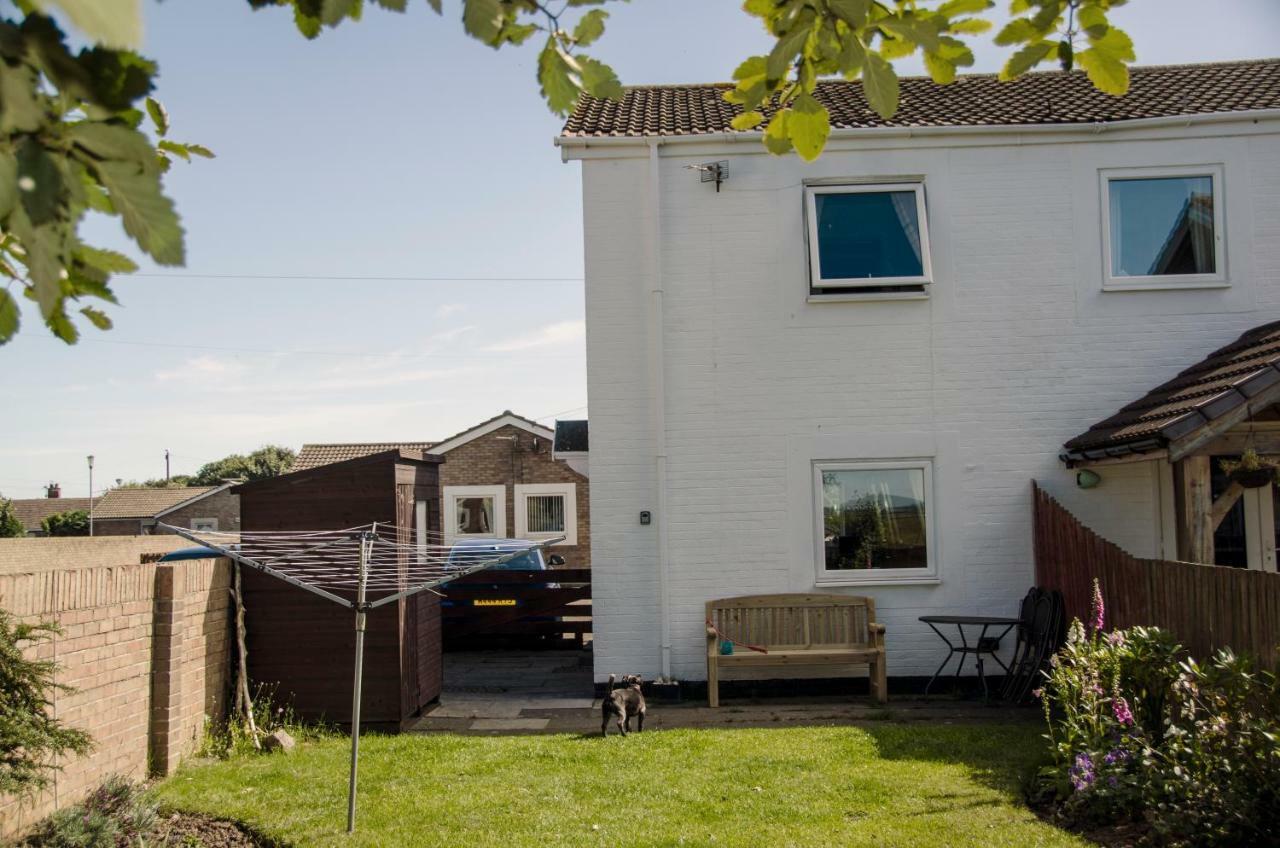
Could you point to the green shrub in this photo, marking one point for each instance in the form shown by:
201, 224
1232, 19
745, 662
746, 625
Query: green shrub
10, 525
1138, 733
74, 522
116, 813
30, 737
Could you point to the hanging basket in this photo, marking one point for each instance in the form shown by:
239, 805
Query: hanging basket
1253, 478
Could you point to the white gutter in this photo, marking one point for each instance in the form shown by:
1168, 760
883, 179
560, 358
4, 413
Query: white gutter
658, 389
1096, 128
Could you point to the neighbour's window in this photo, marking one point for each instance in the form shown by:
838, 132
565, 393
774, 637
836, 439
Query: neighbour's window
1163, 227
874, 520
867, 236
205, 525
474, 516
475, 511
546, 511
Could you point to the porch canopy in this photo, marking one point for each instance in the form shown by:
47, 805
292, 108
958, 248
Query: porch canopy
1221, 405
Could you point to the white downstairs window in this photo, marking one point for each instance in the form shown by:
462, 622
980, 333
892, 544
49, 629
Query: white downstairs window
872, 236
1163, 228
874, 521
547, 510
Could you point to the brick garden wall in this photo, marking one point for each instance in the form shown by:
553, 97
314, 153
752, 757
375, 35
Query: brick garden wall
490, 461
146, 647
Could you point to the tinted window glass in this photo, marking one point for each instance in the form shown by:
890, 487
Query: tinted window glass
865, 235
1162, 226
874, 518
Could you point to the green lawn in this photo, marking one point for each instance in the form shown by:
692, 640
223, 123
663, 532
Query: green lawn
884, 785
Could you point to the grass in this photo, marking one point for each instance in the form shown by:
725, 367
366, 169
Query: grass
884, 785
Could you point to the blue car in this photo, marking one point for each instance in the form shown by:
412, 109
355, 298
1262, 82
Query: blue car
469, 552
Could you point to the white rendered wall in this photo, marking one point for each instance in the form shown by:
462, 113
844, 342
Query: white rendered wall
1016, 350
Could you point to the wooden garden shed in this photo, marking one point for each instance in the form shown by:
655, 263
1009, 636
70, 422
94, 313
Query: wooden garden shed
302, 644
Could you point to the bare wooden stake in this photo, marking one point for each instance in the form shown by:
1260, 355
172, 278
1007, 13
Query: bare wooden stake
244, 702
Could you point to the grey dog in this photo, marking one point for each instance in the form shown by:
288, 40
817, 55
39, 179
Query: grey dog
622, 701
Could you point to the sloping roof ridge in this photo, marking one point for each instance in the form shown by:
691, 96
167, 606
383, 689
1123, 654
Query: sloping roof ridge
506, 413
1167, 66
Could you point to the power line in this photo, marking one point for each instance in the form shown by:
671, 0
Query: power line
341, 353
358, 278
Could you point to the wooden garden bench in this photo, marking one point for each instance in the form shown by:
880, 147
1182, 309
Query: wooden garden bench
832, 632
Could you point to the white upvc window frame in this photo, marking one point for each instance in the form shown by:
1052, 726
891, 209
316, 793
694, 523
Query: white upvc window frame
1218, 279
876, 576
570, 493
210, 525
451, 495
816, 282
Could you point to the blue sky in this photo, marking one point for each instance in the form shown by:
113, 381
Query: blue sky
393, 147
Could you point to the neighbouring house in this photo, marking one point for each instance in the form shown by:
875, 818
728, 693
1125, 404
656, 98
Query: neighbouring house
136, 512
33, 511
843, 375
501, 478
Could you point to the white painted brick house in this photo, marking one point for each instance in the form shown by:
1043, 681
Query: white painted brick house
765, 352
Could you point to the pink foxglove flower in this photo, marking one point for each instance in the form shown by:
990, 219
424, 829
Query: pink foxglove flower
1120, 707
1099, 611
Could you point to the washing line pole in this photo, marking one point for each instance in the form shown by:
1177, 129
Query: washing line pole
366, 543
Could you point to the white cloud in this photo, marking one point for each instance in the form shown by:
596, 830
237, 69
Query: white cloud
445, 310
200, 368
560, 333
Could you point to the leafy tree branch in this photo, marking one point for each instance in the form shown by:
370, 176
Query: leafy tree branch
71, 124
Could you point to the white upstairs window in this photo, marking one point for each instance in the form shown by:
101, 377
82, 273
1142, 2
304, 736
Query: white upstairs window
1163, 227
867, 236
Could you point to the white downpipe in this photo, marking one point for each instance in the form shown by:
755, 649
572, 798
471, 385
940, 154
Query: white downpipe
658, 387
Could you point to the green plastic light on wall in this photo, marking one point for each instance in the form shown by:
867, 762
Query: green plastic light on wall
1087, 479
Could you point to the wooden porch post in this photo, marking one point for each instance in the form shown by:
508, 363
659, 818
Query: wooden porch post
1194, 509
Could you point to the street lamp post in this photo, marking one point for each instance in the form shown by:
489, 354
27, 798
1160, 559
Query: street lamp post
90, 494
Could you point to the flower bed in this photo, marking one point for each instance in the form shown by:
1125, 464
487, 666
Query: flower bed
1143, 735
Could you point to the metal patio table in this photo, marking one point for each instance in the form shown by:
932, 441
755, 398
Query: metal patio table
985, 644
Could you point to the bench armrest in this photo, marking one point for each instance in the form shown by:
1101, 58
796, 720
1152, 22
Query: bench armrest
876, 630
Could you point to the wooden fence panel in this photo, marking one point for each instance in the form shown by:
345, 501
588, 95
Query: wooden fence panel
1205, 607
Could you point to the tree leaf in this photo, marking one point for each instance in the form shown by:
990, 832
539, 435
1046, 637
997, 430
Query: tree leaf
149, 216
435, 6
112, 23
393, 5
44, 258
956, 8
555, 75
482, 19
776, 136
308, 25
852, 12
880, 85
598, 79
1105, 71
8, 183
108, 261
61, 325
791, 43
1026, 59
20, 107
1115, 43
941, 70
98, 318
201, 151
332, 12
39, 182
159, 116
808, 126
1017, 31
10, 317
112, 141
756, 66
747, 120
590, 27
176, 149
